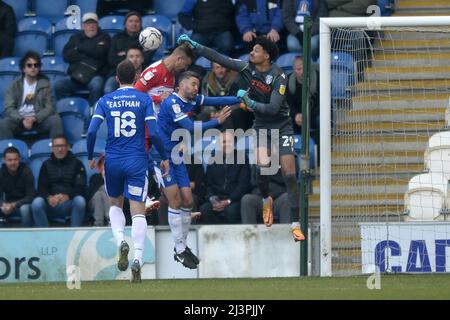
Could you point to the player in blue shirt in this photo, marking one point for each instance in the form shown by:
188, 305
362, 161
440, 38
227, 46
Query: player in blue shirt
173, 115
126, 111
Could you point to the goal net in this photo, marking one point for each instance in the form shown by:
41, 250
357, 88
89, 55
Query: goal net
385, 145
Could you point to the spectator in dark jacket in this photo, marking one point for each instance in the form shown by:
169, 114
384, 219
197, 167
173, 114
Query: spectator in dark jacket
259, 17
349, 8
252, 203
16, 189
210, 22
29, 103
120, 43
226, 184
8, 28
87, 53
61, 187
293, 13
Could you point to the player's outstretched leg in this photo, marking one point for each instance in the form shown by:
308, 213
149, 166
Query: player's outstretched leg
136, 271
263, 185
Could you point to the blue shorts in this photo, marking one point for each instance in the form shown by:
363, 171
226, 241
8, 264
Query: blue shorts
178, 175
127, 177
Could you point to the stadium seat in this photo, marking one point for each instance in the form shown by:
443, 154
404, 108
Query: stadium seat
285, 61
20, 7
427, 198
163, 24
79, 148
19, 144
168, 8
10, 65
75, 104
9, 70
386, 7
64, 29
437, 154
1, 107
35, 167
342, 74
51, 10
203, 62
54, 68
312, 150
73, 125
41, 149
33, 34
86, 5
342, 60
112, 24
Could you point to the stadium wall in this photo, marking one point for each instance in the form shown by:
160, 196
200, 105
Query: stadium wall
87, 254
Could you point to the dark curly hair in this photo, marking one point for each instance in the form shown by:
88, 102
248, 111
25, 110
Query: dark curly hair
270, 47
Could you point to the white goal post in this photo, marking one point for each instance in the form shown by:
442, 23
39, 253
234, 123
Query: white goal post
326, 25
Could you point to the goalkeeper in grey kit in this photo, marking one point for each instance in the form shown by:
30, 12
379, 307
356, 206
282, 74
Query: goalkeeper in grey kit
265, 98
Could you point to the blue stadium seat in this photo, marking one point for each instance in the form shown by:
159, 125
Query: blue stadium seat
19, 144
20, 7
386, 6
1, 107
41, 149
112, 24
52, 10
35, 166
75, 104
33, 34
298, 148
9, 70
86, 5
5, 82
342, 74
64, 29
168, 8
163, 24
73, 125
10, 64
79, 148
286, 61
203, 62
54, 68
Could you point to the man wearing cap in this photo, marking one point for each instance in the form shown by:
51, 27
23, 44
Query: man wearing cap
120, 43
86, 52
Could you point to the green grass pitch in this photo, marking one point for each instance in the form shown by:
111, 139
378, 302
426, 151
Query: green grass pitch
436, 286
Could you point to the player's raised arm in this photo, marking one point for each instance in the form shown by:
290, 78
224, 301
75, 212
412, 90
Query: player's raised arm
213, 55
217, 101
276, 98
96, 121
150, 120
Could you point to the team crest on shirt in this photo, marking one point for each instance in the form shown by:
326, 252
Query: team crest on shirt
269, 79
148, 75
168, 178
176, 108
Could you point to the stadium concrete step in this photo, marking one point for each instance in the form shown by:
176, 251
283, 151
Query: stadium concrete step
417, 100
425, 34
364, 184
387, 127
385, 142
393, 211
395, 115
413, 44
369, 199
411, 12
402, 86
420, 5
376, 157
372, 169
407, 73
410, 59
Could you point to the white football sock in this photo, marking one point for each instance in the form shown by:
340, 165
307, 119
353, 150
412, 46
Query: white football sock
117, 220
138, 232
186, 221
176, 226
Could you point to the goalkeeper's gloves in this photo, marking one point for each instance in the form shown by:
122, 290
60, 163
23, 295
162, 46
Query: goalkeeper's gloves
243, 95
185, 38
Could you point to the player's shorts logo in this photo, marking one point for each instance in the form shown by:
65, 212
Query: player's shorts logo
168, 178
